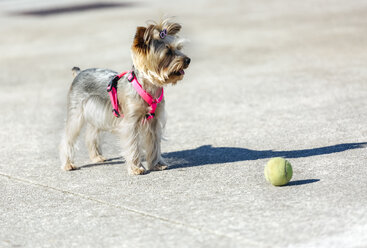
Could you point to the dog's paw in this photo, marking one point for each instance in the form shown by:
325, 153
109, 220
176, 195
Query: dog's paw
69, 167
135, 170
98, 159
160, 167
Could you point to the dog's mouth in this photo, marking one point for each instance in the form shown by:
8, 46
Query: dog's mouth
179, 73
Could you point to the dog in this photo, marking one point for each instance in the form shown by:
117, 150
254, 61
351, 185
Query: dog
130, 104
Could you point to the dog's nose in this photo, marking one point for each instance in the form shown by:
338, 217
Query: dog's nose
187, 61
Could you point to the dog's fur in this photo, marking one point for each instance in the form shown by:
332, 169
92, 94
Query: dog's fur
156, 63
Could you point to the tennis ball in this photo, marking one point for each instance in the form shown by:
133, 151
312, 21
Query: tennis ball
278, 171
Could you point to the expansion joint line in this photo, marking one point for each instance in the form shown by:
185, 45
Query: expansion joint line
138, 212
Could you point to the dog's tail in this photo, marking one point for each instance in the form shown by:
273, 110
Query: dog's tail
75, 71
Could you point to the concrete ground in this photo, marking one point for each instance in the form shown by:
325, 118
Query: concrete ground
267, 79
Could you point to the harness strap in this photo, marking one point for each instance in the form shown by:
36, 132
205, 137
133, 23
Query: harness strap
112, 91
146, 96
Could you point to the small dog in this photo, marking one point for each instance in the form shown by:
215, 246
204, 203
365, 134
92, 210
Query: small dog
136, 111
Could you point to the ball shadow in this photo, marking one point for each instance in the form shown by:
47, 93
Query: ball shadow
302, 182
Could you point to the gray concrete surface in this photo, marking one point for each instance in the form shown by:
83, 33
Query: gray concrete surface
268, 78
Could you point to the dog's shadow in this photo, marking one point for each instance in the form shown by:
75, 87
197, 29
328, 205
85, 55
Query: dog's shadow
206, 155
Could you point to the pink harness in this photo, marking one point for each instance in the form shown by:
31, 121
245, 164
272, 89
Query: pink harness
112, 91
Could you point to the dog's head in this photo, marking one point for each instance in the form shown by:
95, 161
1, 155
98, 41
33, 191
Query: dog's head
156, 52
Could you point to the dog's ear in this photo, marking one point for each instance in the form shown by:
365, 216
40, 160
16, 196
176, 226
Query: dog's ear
143, 37
173, 28
139, 41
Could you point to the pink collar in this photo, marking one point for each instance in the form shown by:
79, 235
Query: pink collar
112, 91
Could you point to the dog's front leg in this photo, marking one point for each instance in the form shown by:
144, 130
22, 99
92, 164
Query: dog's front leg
153, 147
129, 133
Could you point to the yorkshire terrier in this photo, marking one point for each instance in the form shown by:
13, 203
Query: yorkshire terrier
129, 104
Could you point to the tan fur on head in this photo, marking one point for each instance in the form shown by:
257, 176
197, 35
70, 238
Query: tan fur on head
159, 60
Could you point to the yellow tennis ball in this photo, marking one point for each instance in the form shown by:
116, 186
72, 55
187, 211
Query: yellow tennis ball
278, 171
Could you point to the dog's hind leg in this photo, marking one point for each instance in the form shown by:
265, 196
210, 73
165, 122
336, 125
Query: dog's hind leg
92, 140
74, 123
